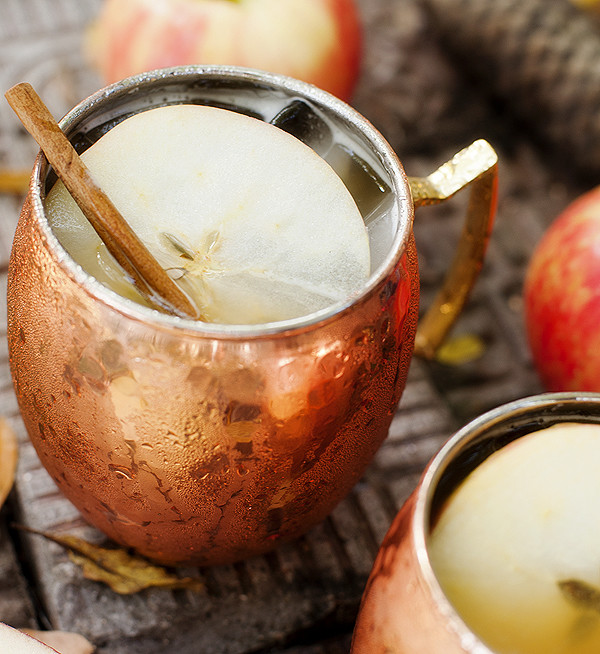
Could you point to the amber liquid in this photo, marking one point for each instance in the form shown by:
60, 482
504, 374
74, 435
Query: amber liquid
512, 550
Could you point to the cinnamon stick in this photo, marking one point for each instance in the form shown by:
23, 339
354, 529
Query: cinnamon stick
111, 227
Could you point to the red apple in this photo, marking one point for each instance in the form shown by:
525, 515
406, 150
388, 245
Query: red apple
562, 299
317, 41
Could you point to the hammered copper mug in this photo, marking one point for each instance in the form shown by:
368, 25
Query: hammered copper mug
404, 609
203, 443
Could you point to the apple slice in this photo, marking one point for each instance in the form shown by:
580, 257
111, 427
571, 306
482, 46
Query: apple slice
517, 548
252, 223
16, 642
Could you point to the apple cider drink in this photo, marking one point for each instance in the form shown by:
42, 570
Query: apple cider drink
287, 220
516, 547
260, 213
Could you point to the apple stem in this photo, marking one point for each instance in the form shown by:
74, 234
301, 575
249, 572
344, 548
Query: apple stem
122, 242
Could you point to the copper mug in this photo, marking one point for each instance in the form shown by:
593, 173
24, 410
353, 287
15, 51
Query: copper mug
201, 443
404, 609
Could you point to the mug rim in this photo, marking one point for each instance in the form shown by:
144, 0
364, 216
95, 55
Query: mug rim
433, 473
137, 312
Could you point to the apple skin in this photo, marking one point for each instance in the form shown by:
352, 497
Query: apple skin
562, 299
317, 41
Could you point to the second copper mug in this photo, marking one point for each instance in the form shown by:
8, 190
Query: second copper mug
404, 609
201, 443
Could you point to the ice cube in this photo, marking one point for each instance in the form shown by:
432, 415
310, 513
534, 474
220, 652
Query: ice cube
302, 121
381, 227
371, 194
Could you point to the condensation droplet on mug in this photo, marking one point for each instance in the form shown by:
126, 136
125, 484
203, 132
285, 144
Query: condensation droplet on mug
285, 405
189, 437
201, 378
384, 327
126, 395
321, 395
92, 370
111, 354
125, 521
332, 365
217, 464
121, 471
237, 412
242, 470
243, 385
242, 420
363, 337
72, 380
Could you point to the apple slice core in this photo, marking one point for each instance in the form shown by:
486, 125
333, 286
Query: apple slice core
253, 224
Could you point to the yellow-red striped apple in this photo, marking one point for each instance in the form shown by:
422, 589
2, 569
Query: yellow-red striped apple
562, 299
317, 41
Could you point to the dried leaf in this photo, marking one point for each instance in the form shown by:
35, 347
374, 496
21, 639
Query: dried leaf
14, 181
62, 641
581, 594
8, 459
125, 573
460, 350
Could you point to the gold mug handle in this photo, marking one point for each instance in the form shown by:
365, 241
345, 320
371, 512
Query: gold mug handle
475, 166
